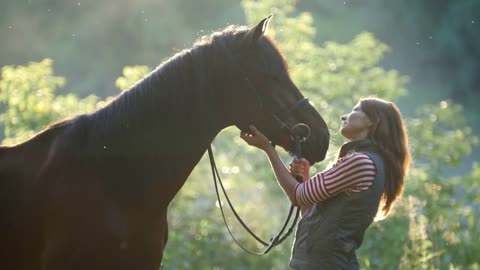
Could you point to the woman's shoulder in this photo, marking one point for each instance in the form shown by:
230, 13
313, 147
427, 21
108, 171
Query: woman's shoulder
354, 157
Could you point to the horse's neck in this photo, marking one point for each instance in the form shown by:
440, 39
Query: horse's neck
186, 114
167, 136
194, 119
177, 102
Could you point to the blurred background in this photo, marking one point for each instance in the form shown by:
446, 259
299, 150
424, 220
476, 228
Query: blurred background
61, 58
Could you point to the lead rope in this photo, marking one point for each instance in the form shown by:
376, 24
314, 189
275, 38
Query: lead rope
278, 239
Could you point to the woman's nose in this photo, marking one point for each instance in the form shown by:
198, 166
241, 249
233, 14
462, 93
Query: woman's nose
344, 117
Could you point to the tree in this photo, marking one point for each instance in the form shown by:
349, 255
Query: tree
27, 94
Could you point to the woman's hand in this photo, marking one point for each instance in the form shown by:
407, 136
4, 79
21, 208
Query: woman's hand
300, 168
284, 178
256, 138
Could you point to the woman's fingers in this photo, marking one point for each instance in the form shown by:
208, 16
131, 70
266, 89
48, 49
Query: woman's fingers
305, 162
244, 135
254, 129
297, 163
296, 173
254, 138
301, 161
247, 137
257, 133
299, 168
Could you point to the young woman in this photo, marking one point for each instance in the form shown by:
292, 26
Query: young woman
340, 203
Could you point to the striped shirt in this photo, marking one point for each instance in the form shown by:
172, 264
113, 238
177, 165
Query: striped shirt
354, 172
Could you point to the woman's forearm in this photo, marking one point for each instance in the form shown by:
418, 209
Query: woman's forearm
284, 178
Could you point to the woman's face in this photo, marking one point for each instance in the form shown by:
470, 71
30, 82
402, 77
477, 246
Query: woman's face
355, 125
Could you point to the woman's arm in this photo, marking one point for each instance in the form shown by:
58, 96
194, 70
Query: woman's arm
284, 178
286, 181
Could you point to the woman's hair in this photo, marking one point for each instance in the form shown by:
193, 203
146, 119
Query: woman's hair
389, 133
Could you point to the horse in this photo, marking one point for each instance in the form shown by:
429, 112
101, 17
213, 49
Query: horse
92, 191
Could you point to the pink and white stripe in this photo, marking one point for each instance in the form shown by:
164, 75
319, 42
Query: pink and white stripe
352, 173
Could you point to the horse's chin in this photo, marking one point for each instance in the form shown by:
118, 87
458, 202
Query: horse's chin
306, 153
286, 145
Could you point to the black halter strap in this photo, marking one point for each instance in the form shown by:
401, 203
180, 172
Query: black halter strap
274, 241
295, 106
280, 119
281, 235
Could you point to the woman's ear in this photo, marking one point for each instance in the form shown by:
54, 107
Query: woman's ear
370, 123
372, 126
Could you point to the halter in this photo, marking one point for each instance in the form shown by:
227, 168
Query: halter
297, 139
280, 119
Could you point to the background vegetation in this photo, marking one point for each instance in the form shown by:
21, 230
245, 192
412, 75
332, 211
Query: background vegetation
423, 55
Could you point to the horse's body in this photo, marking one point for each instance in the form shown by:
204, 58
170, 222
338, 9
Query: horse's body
92, 192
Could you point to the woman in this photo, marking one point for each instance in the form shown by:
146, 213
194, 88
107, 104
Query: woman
340, 203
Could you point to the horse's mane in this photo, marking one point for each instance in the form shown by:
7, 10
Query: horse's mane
183, 81
179, 82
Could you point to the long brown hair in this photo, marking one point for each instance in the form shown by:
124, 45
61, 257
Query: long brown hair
390, 135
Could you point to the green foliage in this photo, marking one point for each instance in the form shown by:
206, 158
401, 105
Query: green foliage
441, 135
130, 76
27, 94
434, 225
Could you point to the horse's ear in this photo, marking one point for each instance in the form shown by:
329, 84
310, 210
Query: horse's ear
257, 32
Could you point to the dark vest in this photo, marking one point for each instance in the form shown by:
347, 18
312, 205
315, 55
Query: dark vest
327, 237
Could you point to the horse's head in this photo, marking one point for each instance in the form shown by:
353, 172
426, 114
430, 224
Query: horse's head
267, 97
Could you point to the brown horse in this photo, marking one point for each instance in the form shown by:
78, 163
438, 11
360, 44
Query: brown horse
92, 192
